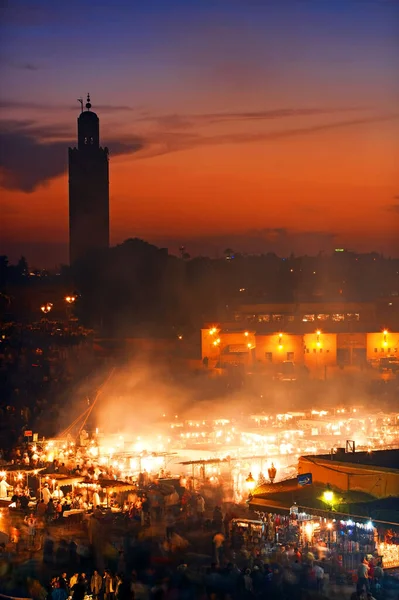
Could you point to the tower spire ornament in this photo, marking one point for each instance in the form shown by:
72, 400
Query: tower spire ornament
88, 104
80, 100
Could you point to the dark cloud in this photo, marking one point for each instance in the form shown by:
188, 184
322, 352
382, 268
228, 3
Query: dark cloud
165, 142
21, 66
27, 67
31, 154
26, 161
9, 103
175, 121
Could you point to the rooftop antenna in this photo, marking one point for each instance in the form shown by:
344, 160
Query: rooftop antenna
80, 100
88, 105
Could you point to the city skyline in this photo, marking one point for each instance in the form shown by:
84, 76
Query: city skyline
229, 124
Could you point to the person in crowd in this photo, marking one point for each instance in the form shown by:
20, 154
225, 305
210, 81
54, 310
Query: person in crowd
170, 524
218, 541
319, 576
109, 585
79, 589
63, 581
96, 584
363, 577
32, 524
58, 592
46, 494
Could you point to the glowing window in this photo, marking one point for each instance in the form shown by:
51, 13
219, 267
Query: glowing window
308, 318
338, 317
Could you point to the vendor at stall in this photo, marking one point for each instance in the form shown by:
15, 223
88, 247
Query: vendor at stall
4, 486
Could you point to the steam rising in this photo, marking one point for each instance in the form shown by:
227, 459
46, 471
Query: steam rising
144, 397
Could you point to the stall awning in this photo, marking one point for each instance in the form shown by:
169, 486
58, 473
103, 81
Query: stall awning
25, 469
60, 479
112, 485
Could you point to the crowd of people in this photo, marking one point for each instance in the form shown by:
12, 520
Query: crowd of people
37, 364
148, 575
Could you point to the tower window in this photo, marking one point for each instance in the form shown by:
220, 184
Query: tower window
91, 140
86, 140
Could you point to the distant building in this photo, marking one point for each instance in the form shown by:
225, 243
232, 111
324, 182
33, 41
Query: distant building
316, 349
88, 189
375, 473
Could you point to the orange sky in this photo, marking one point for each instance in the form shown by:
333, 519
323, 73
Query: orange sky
212, 142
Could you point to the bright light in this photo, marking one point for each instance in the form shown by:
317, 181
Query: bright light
318, 332
309, 530
329, 525
246, 333
45, 308
70, 299
328, 496
250, 482
385, 332
369, 525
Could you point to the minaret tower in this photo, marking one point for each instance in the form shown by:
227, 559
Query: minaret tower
88, 189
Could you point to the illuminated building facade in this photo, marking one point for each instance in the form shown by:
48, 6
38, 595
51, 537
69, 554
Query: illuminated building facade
222, 345
88, 189
374, 473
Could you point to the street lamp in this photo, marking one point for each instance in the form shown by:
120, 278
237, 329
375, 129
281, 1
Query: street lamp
272, 472
280, 341
46, 308
70, 299
385, 333
216, 343
328, 496
250, 483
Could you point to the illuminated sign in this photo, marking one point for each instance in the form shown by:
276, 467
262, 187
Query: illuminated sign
305, 479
